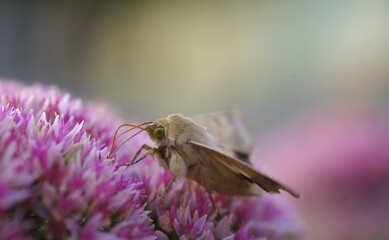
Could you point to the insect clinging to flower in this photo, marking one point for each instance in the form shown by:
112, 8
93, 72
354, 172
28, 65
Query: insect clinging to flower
211, 149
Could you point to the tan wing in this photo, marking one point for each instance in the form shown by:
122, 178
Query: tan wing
265, 182
230, 130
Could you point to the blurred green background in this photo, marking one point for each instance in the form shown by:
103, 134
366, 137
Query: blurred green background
270, 60
276, 62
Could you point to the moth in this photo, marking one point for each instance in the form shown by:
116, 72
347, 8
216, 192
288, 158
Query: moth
211, 149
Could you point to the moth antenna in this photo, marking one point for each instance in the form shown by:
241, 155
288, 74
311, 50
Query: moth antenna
128, 139
132, 129
124, 125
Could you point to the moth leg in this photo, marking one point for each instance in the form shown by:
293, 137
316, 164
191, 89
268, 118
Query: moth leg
213, 202
143, 147
177, 166
164, 193
147, 153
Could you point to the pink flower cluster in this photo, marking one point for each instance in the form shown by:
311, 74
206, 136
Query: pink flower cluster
56, 181
186, 212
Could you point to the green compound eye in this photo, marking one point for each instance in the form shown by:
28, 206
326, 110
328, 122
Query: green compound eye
159, 132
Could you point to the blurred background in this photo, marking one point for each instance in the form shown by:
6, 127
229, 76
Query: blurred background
296, 70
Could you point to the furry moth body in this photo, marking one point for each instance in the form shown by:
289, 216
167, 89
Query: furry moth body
211, 149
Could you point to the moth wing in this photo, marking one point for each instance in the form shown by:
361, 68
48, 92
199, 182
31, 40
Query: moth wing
216, 176
263, 181
230, 131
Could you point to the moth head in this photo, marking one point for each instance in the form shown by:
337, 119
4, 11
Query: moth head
157, 130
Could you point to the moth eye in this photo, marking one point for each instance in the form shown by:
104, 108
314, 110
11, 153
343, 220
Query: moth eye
159, 132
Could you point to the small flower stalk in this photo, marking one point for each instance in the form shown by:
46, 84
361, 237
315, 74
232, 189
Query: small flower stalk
57, 182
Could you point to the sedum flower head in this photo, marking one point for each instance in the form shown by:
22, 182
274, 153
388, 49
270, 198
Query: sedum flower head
53, 180
57, 182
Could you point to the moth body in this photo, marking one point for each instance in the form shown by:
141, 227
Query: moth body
177, 152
